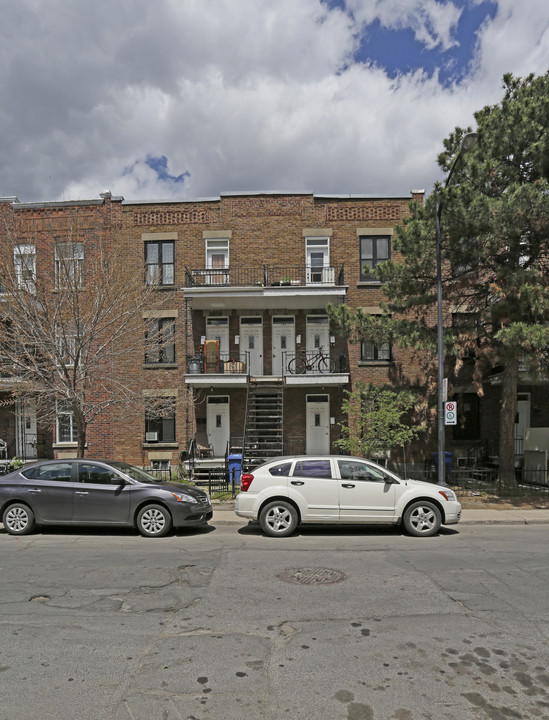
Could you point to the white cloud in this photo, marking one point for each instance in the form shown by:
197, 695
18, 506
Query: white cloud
241, 94
433, 23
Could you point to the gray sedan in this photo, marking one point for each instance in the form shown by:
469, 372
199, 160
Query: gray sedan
100, 493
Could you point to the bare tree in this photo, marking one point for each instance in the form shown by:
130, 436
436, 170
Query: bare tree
74, 311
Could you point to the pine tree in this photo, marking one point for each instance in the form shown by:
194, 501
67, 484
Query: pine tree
494, 239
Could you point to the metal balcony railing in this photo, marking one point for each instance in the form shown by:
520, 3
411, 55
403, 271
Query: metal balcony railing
227, 363
265, 276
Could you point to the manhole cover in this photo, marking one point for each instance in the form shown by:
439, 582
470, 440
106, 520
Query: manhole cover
312, 576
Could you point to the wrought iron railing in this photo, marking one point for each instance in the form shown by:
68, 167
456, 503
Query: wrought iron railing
225, 363
265, 276
305, 362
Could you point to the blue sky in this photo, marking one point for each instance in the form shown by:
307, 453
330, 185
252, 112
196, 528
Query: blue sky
399, 52
187, 99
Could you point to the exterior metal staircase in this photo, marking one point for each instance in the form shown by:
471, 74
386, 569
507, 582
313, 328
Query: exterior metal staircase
264, 424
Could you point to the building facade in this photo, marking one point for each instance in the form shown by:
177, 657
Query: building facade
237, 352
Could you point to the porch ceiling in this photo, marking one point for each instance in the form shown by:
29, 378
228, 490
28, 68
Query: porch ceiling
266, 298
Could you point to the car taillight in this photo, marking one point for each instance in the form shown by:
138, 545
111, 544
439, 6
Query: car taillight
245, 481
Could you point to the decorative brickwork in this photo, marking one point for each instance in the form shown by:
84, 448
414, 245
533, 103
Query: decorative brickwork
173, 217
371, 211
266, 206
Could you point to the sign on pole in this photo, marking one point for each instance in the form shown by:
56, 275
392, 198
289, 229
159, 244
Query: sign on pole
445, 390
450, 413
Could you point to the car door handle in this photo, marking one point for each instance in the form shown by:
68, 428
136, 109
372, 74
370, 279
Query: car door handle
347, 485
35, 491
81, 492
297, 482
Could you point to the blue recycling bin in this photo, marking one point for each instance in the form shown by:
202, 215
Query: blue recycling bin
235, 468
448, 460
448, 463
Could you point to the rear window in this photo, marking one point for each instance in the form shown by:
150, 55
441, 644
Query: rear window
56, 471
281, 470
313, 468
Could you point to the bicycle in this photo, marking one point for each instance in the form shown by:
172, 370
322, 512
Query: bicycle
308, 362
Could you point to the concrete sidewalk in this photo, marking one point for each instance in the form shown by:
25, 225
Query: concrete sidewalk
224, 514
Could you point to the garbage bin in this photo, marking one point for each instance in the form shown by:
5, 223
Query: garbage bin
448, 463
235, 468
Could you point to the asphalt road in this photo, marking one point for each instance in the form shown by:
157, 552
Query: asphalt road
223, 624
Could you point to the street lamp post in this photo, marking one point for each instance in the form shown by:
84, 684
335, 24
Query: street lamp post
468, 142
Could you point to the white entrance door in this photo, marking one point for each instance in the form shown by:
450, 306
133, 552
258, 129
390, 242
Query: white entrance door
522, 421
318, 425
318, 338
283, 342
317, 259
217, 328
218, 423
27, 430
251, 343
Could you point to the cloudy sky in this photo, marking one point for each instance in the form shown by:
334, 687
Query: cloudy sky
190, 98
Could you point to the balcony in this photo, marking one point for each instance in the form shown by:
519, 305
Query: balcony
297, 369
246, 288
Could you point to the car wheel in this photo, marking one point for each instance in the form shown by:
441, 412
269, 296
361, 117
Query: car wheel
18, 519
154, 521
278, 519
422, 519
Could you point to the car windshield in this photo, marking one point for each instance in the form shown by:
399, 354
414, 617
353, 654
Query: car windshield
135, 473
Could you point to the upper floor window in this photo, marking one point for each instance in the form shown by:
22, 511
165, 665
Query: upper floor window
369, 351
24, 259
160, 340
374, 249
66, 348
159, 263
69, 259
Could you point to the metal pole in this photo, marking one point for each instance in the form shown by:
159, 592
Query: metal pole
440, 350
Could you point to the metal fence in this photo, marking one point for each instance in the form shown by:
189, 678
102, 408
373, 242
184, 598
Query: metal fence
479, 478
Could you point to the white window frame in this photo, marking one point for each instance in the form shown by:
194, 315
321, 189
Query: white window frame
65, 348
68, 268
25, 271
64, 409
323, 275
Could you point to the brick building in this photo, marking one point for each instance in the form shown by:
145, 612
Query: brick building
250, 276
237, 352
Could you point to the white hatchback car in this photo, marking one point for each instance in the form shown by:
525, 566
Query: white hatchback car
287, 491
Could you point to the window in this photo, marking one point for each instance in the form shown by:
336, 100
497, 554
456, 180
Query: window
24, 259
97, 474
160, 421
373, 250
69, 259
369, 351
351, 470
60, 472
282, 470
159, 263
160, 341
66, 348
313, 468
66, 425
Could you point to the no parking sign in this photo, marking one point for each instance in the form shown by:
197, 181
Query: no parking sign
450, 413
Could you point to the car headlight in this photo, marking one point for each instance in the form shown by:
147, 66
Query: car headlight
448, 495
183, 497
